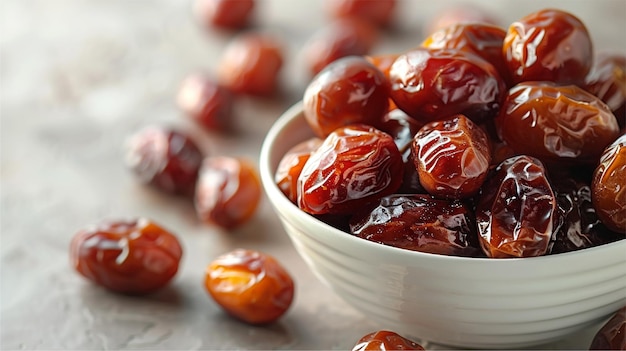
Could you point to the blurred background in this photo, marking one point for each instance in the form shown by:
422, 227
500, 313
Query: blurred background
77, 77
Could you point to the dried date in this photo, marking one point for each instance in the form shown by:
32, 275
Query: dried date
608, 188
515, 210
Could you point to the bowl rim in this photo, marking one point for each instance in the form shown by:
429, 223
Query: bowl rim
283, 206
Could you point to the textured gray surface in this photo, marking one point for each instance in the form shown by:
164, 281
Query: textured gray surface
77, 77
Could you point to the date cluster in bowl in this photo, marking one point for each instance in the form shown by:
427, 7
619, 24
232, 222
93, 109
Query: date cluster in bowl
468, 191
482, 141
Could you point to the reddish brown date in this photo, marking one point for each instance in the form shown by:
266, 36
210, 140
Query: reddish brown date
355, 165
337, 39
548, 45
556, 123
126, 256
607, 81
577, 225
378, 12
515, 211
206, 102
250, 285
251, 64
612, 335
348, 91
291, 164
228, 191
482, 39
384, 340
227, 14
430, 85
164, 158
452, 157
608, 188
420, 223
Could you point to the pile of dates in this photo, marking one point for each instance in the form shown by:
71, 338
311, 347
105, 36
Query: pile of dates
481, 142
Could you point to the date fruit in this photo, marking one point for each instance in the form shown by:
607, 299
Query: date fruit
126, 256
226, 14
556, 123
348, 91
251, 64
420, 223
515, 211
378, 12
548, 45
250, 285
607, 81
206, 102
452, 157
228, 191
608, 187
384, 340
291, 164
164, 158
355, 165
434, 84
612, 335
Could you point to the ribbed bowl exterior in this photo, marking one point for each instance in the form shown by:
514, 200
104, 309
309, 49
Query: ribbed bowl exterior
455, 301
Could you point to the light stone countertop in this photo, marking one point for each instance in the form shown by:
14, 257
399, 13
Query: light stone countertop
77, 77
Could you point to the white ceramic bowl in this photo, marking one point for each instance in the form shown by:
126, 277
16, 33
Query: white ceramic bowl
455, 301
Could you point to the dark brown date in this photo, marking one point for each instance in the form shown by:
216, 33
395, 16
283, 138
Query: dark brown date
556, 123
164, 158
350, 90
608, 188
127, 256
607, 80
290, 167
434, 84
419, 222
515, 211
482, 39
355, 165
612, 335
452, 157
577, 225
548, 45
384, 340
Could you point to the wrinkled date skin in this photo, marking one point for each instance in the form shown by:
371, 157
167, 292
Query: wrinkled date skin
348, 91
452, 157
206, 102
608, 188
607, 80
290, 167
384, 340
557, 124
228, 191
434, 84
577, 225
355, 165
515, 212
548, 45
612, 335
419, 222
133, 257
482, 39
250, 285
164, 158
